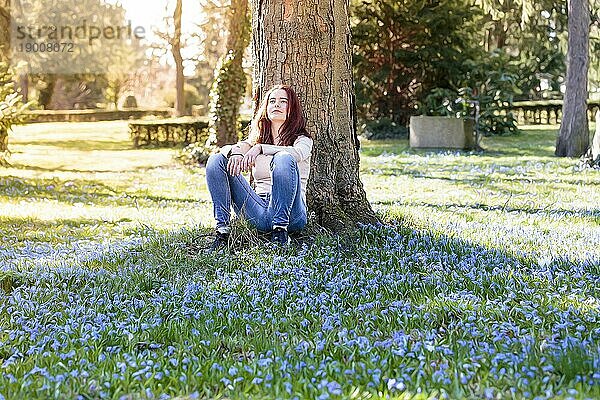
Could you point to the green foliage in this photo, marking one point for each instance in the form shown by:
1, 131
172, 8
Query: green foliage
404, 49
407, 51
95, 74
191, 96
534, 34
211, 49
12, 109
226, 95
196, 153
490, 83
382, 128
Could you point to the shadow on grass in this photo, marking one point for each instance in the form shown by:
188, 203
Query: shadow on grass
459, 291
61, 168
531, 142
496, 183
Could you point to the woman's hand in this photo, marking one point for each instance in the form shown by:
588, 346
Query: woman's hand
234, 165
250, 157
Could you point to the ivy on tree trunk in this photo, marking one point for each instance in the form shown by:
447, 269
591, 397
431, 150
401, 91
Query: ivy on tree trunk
308, 46
230, 78
11, 109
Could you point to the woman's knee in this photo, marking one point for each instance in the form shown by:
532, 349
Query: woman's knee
283, 159
215, 162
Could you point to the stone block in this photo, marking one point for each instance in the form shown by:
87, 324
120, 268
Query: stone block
441, 132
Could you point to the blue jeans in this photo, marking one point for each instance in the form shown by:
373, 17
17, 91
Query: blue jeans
283, 207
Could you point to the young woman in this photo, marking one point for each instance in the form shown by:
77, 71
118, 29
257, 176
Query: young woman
278, 153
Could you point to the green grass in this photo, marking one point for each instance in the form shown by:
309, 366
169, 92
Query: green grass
482, 284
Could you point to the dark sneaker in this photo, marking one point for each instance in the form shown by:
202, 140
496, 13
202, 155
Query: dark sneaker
220, 242
280, 237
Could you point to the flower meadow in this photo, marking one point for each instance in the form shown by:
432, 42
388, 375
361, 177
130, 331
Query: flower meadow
482, 282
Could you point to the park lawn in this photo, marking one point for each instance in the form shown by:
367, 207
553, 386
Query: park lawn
483, 283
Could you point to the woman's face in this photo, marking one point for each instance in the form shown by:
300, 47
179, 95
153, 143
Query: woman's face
277, 106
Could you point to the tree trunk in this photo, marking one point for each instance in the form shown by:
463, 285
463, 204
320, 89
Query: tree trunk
4, 153
574, 136
46, 93
24, 85
307, 44
4, 30
230, 79
176, 50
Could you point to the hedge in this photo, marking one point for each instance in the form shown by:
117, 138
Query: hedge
94, 115
170, 132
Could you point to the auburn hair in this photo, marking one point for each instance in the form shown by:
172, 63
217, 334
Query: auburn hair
294, 125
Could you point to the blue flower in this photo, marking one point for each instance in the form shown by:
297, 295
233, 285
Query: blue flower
334, 388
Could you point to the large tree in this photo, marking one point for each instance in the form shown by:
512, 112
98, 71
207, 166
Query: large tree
307, 44
574, 136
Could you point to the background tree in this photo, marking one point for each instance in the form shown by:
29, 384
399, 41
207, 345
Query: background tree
176, 51
293, 43
76, 81
573, 138
533, 34
594, 67
192, 44
11, 109
121, 74
210, 36
230, 78
4, 29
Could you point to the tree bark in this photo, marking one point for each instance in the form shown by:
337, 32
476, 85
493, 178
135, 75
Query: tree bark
307, 44
176, 50
574, 136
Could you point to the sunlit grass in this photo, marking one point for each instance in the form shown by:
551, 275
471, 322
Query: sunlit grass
516, 185
84, 181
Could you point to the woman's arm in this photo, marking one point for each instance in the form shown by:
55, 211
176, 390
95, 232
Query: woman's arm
235, 154
240, 148
301, 149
